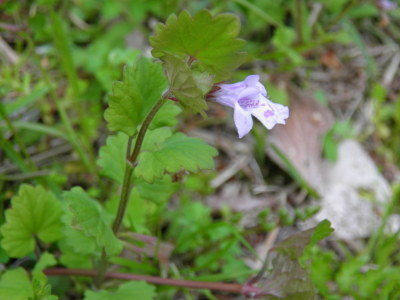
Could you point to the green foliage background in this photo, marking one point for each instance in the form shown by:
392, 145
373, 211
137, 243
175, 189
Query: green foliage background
69, 55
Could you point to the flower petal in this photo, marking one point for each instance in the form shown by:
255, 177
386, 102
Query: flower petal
228, 100
254, 82
243, 120
250, 92
232, 88
270, 113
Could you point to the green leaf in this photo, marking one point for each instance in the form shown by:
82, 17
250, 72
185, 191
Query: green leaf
166, 116
136, 213
130, 290
62, 41
294, 245
204, 81
157, 192
182, 84
34, 212
135, 216
289, 279
113, 162
283, 39
112, 157
186, 224
41, 287
212, 41
4, 258
72, 259
88, 225
46, 260
318, 233
145, 199
330, 146
133, 98
15, 285
164, 152
40, 90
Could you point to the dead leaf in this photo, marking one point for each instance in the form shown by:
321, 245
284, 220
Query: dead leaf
330, 60
297, 146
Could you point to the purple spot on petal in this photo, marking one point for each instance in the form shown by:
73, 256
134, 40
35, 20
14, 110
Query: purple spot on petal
247, 103
268, 113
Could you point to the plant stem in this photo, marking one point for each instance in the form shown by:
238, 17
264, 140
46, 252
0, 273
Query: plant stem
37, 251
101, 270
123, 202
299, 22
126, 185
343, 13
216, 286
139, 140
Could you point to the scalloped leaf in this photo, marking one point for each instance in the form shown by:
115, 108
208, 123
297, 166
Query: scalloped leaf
112, 157
41, 287
132, 99
295, 245
183, 85
289, 279
34, 212
164, 152
129, 290
88, 225
46, 260
15, 285
212, 41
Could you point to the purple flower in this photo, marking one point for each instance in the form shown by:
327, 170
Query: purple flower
386, 4
248, 98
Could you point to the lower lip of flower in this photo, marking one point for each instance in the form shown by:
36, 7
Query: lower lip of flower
268, 113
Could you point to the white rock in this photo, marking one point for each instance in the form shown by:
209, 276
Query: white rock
352, 215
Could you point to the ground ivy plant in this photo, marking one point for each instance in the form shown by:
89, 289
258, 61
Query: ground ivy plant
192, 55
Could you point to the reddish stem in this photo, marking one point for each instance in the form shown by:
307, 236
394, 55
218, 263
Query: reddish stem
216, 286
191, 60
173, 99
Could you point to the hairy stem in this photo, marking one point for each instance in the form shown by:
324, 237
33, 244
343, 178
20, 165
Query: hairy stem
139, 140
216, 286
123, 202
126, 185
